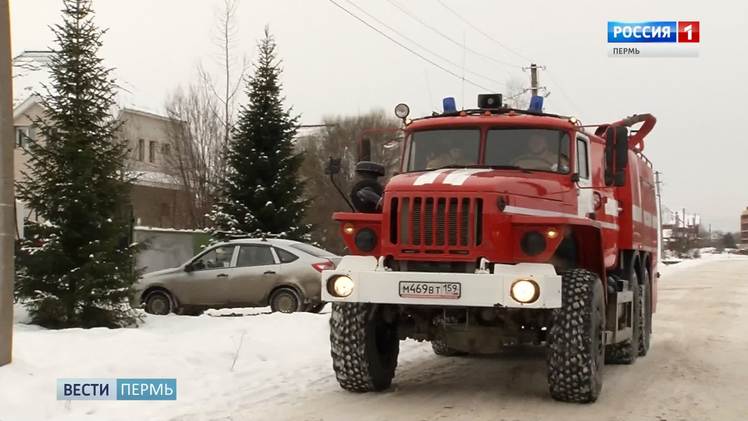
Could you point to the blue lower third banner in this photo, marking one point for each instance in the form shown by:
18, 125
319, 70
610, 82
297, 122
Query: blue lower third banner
133, 389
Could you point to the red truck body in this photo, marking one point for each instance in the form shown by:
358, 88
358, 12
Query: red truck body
624, 218
502, 227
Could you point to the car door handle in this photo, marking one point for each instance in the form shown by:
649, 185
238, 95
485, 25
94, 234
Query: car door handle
269, 272
222, 275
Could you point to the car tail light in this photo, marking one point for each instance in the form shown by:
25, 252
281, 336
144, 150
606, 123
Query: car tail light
328, 265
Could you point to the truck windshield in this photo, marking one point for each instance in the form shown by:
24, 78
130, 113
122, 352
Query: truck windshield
432, 149
520, 148
530, 149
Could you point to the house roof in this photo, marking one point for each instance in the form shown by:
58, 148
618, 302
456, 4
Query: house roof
142, 113
25, 105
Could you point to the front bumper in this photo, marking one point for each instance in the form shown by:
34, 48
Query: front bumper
375, 284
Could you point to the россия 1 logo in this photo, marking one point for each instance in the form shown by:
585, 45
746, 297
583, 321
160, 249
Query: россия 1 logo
654, 39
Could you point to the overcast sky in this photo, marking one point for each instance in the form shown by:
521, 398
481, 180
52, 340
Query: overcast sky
335, 65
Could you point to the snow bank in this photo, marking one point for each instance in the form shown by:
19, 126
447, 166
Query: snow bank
667, 271
224, 361
210, 356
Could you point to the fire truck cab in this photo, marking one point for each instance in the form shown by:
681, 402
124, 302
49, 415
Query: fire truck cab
502, 227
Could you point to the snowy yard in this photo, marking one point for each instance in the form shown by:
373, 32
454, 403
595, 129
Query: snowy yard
223, 364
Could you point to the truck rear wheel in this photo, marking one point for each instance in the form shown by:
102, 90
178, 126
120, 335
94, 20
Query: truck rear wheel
576, 339
626, 352
645, 320
364, 347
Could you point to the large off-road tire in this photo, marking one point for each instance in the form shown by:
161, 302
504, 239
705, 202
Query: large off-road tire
441, 348
576, 339
626, 352
363, 346
645, 319
159, 302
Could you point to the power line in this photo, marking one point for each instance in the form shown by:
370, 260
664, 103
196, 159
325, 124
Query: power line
482, 32
401, 45
420, 45
563, 92
447, 37
506, 47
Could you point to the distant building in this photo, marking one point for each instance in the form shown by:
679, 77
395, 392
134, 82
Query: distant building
744, 229
157, 197
679, 226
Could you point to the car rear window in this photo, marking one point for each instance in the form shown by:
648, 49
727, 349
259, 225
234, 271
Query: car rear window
285, 256
314, 251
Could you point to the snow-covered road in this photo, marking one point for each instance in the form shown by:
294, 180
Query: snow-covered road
277, 367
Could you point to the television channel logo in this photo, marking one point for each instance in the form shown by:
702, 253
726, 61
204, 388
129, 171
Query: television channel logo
654, 39
117, 389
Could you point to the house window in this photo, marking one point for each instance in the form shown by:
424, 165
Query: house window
166, 149
152, 151
23, 136
141, 150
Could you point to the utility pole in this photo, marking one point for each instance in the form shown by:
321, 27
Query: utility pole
7, 198
534, 79
535, 87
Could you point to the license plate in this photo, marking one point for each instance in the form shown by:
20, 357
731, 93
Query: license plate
446, 290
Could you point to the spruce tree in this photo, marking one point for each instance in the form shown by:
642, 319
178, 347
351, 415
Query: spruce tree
263, 194
75, 265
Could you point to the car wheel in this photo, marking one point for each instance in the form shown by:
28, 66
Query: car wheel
285, 301
158, 302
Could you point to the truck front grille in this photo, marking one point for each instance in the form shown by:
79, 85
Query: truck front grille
436, 221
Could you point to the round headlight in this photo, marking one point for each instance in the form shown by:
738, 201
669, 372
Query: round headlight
525, 291
366, 239
402, 110
340, 286
533, 243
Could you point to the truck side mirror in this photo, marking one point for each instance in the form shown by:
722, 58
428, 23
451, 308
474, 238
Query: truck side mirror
616, 155
622, 154
610, 139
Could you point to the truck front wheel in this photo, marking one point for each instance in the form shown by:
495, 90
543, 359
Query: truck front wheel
576, 339
364, 347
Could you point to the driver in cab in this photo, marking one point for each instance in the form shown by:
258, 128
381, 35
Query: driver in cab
454, 156
542, 154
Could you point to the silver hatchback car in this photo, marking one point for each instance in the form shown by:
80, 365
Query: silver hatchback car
283, 274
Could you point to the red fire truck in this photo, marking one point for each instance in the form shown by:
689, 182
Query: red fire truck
502, 227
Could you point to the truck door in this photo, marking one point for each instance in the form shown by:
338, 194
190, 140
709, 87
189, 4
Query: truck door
585, 196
